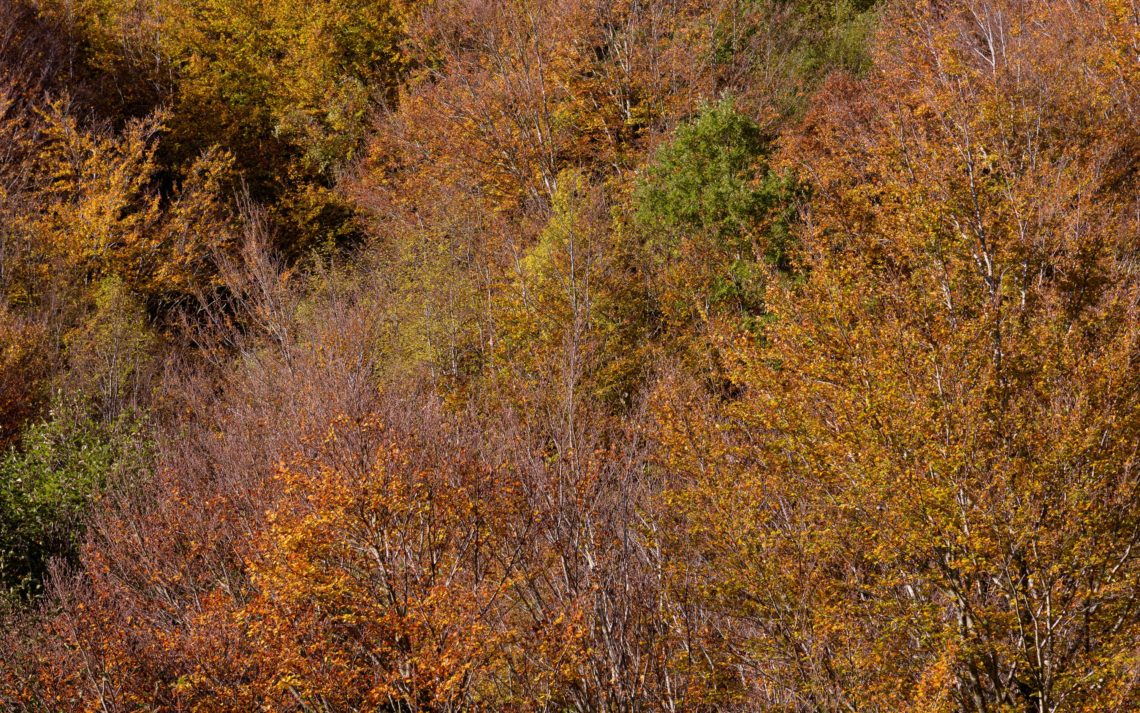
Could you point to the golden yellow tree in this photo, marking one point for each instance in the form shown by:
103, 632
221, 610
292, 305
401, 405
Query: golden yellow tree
926, 496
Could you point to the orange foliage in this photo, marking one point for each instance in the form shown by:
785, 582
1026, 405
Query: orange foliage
933, 491
375, 584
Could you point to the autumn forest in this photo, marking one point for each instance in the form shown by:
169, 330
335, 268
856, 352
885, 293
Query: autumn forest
570, 355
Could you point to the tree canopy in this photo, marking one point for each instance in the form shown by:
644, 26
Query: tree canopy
569, 355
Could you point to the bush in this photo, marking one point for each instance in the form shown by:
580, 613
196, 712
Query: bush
47, 485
